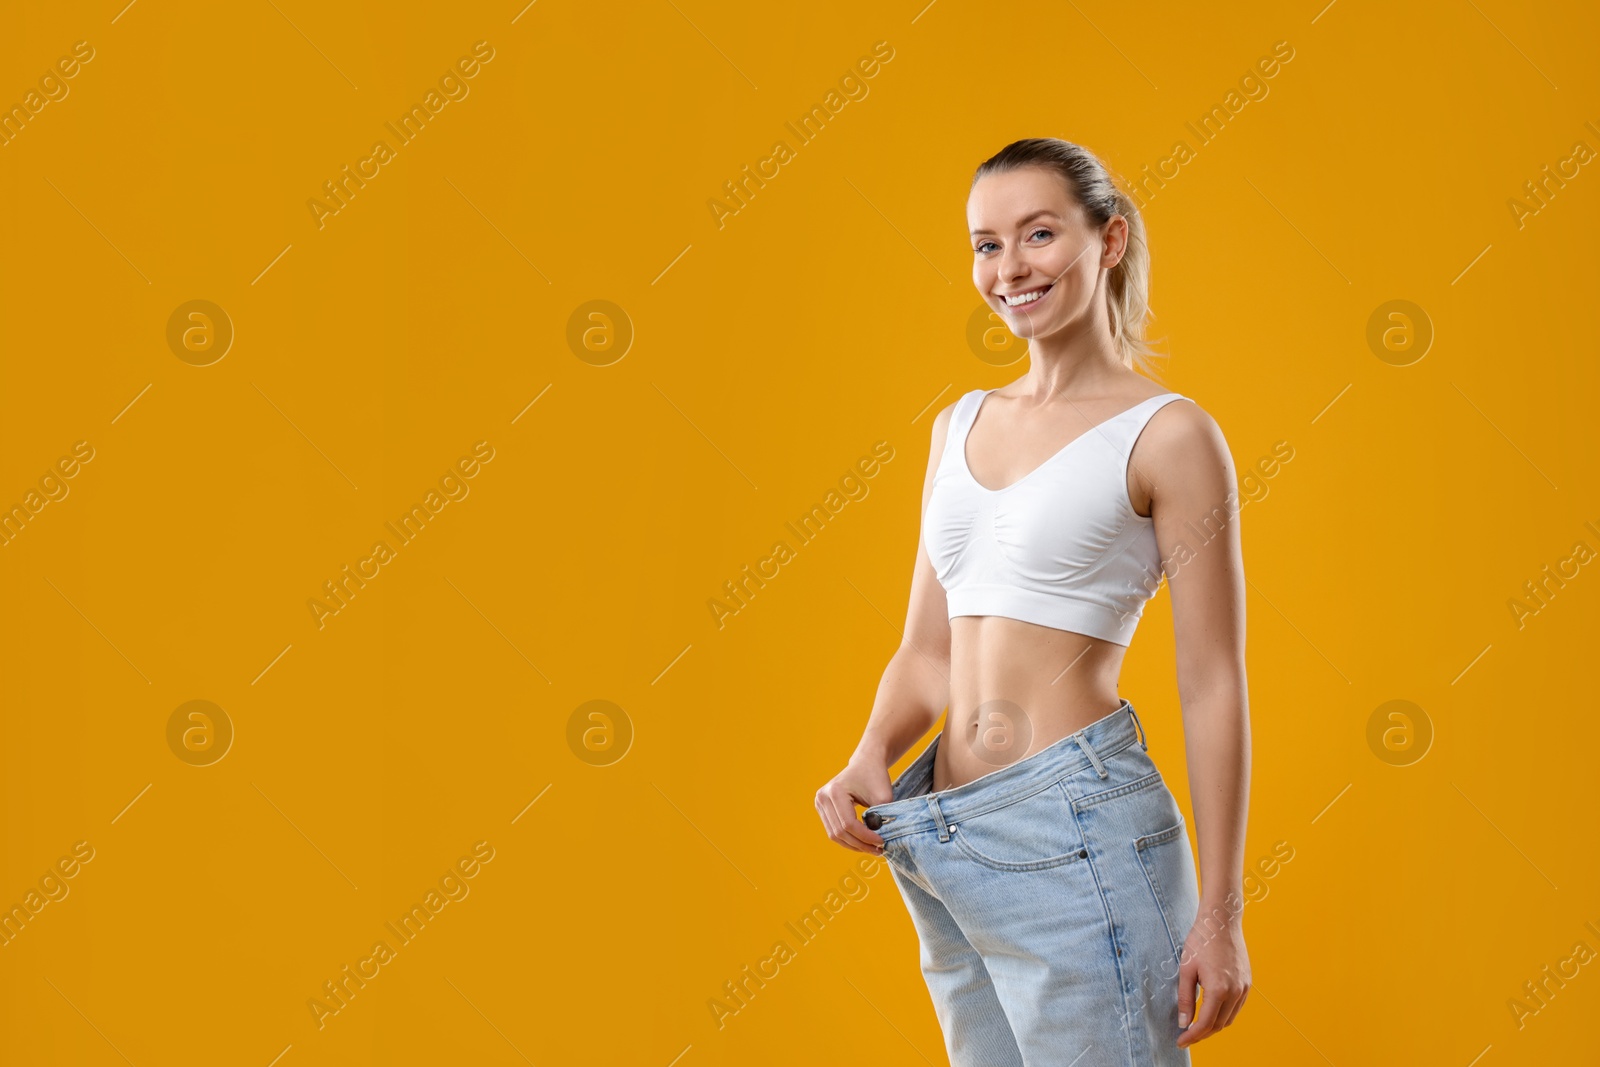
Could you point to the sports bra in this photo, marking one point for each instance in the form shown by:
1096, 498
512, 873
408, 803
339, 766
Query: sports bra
1061, 546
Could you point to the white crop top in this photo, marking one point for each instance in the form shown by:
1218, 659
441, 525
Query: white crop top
1062, 546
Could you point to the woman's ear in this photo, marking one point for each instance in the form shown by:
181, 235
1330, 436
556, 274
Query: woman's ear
1114, 241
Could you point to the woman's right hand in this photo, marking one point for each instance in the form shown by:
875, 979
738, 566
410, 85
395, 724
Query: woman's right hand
864, 782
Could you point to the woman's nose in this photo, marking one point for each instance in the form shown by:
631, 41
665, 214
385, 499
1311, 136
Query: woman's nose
1012, 265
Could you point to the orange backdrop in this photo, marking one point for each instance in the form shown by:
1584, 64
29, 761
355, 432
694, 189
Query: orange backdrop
391, 390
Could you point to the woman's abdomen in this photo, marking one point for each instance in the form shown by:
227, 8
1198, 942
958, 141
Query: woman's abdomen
1016, 688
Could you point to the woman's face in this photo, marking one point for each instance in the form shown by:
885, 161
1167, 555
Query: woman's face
1029, 236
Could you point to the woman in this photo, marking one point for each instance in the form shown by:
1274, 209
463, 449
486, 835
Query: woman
1045, 863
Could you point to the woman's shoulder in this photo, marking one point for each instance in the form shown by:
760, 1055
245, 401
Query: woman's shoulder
939, 429
1182, 427
947, 413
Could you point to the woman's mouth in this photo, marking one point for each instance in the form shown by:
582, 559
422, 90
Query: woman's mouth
1026, 298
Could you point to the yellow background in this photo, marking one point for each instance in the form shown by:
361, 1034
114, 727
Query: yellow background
769, 355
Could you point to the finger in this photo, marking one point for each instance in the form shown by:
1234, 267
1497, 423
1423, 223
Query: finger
1227, 1004
1229, 1009
1205, 1020
1238, 1003
852, 824
836, 831
846, 829
1188, 975
829, 820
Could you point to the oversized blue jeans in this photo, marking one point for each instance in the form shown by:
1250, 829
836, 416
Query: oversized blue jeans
1051, 899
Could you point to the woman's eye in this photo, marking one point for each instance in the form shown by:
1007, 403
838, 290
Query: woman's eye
1048, 233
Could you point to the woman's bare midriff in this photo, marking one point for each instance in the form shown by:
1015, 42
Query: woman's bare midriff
1016, 688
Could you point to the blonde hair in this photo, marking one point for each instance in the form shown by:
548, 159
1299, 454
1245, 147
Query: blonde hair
1090, 184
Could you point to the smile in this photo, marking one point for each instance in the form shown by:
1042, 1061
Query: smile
1032, 296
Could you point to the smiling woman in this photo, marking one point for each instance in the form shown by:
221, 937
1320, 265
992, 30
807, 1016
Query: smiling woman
1058, 258
1035, 817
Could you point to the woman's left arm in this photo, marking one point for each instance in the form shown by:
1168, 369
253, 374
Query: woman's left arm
1195, 505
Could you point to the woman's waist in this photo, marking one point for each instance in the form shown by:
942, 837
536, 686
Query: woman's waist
1054, 686
1084, 753
990, 730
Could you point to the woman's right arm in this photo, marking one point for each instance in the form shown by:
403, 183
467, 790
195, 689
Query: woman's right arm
912, 694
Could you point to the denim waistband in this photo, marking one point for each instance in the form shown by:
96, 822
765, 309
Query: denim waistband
916, 808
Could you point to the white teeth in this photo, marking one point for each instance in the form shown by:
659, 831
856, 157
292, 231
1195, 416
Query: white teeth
1025, 298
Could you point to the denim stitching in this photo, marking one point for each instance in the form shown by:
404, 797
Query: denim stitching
1008, 865
1044, 864
1160, 897
1111, 933
1149, 840
1153, 778
1079, 803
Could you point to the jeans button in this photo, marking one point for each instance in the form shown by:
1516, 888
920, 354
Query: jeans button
873, 820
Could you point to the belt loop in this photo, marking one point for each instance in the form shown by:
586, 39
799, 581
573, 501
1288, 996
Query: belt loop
1144, 742
938, 817
1094, 757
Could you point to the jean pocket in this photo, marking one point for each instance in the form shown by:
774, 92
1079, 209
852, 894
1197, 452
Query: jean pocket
1169, 870
1032, 834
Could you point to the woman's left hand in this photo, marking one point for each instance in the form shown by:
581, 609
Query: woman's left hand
1215, 957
